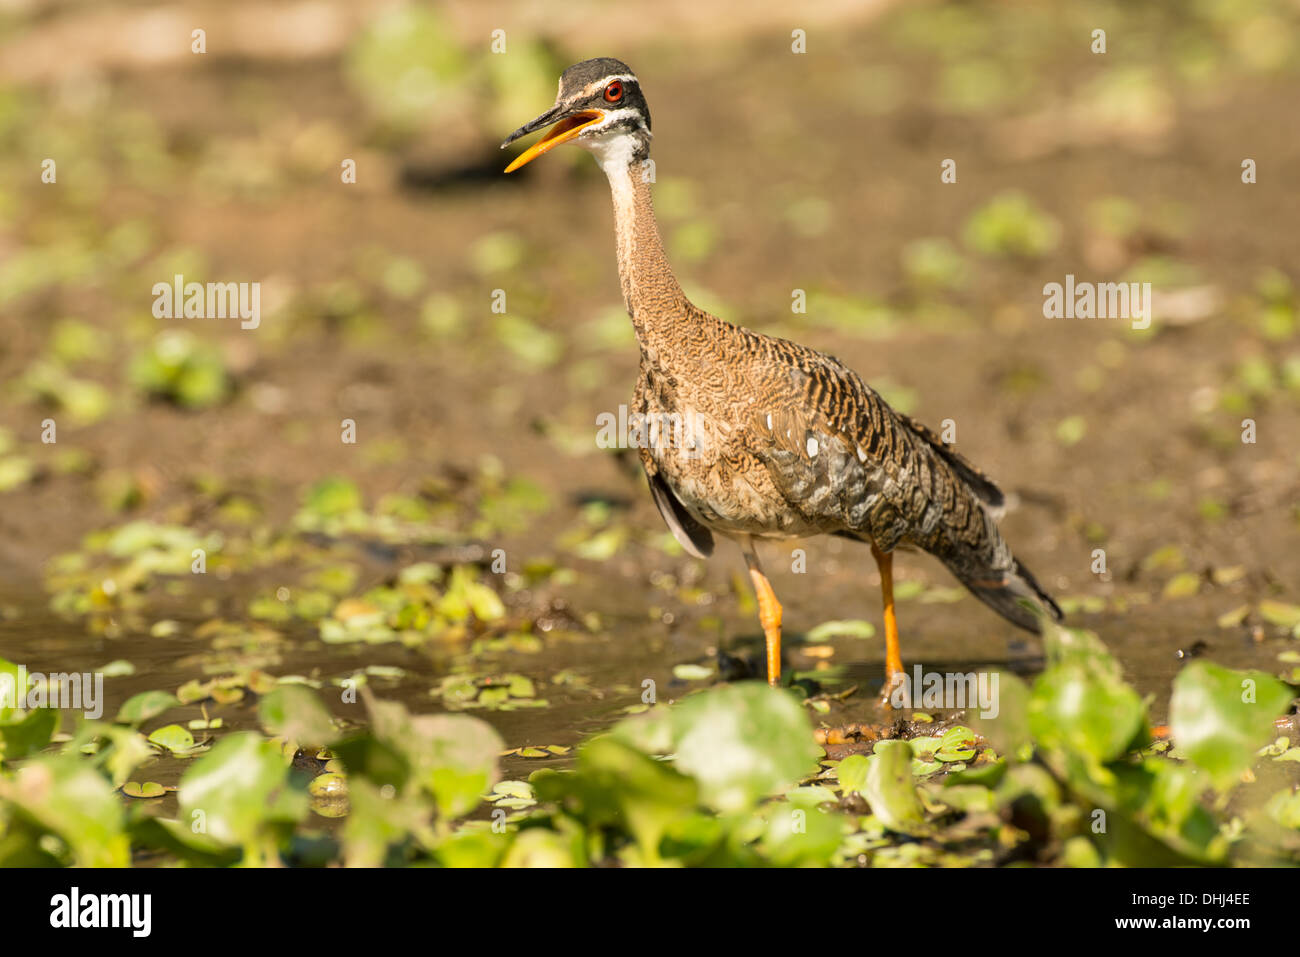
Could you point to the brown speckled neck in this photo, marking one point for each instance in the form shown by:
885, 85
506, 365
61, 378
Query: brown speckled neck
654, 298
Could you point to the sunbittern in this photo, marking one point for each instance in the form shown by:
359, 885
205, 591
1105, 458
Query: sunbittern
769, 439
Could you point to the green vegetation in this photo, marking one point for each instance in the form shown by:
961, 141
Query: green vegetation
1066, 773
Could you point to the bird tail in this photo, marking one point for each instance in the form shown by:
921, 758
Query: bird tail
1012, 592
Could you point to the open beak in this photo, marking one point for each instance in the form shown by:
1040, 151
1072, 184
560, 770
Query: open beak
564, 130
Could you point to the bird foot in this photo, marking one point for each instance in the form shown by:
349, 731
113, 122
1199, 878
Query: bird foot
895, 692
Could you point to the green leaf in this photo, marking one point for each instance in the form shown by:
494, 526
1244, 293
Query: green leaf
365, 757
295, 712
649, 794
127, 750
174, 738
853, 628
378, 820
139, 708
1280, 613
1220, 718
1078, 706
239, 789
179, 367
1284, 808
1008, 730
1167, 558
452, 756
462, 753
18, 739
332, 497
537, 847
1233, 618
1071, 430
957, 744
889, 788
149, 789
67, 797
692, 672
801, 836
118, 668
1182, 585
521, 686
476, 849
1081, 703
925, 758
742, 742
1010, 224
852, 772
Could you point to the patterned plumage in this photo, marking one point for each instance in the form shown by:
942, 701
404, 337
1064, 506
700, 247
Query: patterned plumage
760, 437
807, 447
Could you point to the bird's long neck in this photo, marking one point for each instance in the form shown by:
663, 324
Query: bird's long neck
654, 299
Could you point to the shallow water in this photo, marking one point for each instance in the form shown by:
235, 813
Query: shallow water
615, 661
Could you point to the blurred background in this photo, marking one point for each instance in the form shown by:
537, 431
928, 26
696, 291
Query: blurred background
475, 430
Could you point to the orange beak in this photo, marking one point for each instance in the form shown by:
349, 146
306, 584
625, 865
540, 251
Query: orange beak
563, 131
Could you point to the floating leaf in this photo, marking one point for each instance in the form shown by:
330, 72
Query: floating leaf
332, 497
149, 789
295, 712
1167, 558
1219, 718
690, 672
957, 744
889, 788
239, 790
1280, 613
1071, 430
1081, 703
452, 756
1233, 618
139, 708
174, 738
1182, 585
852, 628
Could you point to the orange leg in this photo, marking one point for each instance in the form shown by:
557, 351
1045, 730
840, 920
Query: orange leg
769, 613
893, 655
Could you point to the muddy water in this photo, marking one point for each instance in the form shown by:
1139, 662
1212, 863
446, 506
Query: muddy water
616, 659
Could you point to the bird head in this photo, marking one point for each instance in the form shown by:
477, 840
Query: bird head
600, 107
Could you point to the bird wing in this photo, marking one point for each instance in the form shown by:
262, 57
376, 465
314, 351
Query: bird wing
840, 455
974, 479
849, 463
690, 534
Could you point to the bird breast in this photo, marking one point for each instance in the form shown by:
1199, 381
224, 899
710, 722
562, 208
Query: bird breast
707, 461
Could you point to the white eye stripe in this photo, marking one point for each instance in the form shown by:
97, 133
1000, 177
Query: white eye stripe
600, 84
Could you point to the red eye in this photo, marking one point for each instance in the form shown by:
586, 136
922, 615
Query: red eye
614, 92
